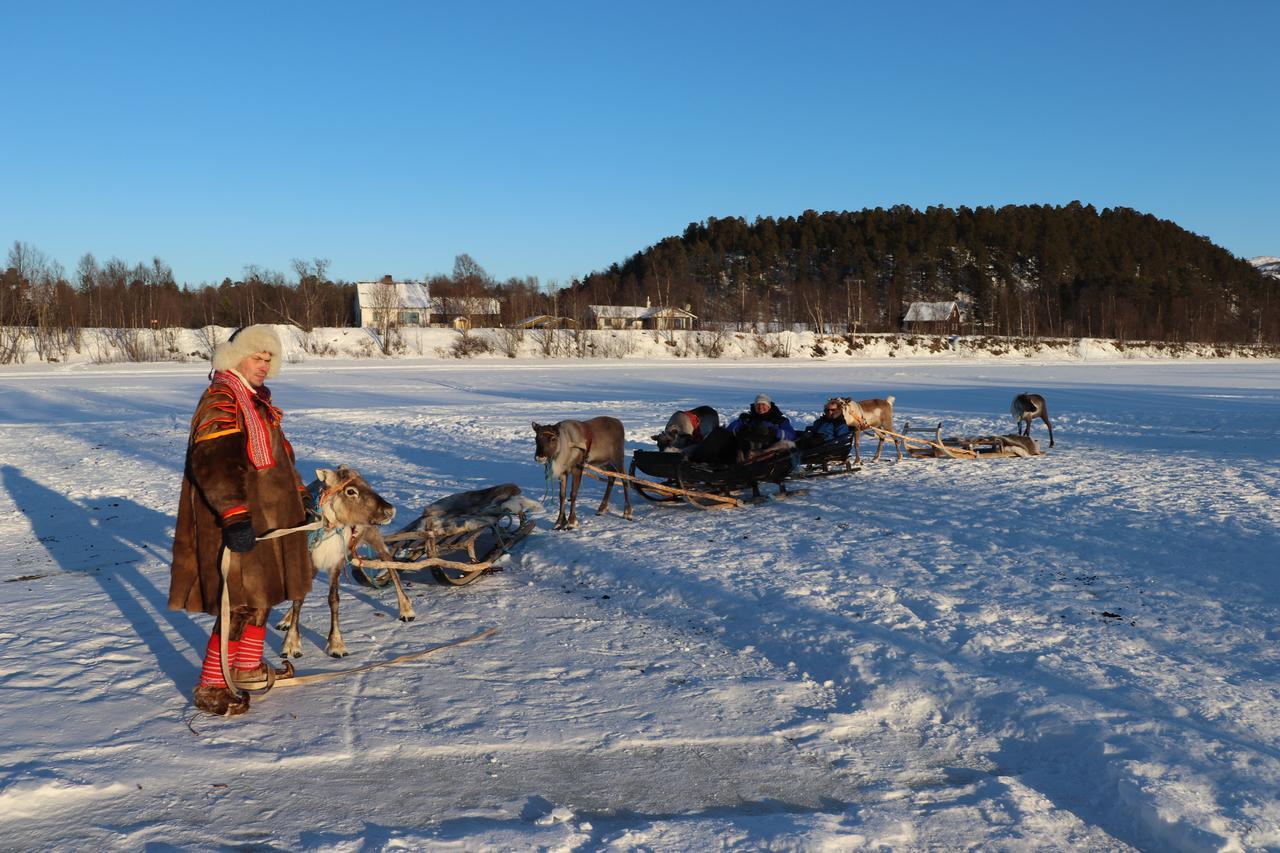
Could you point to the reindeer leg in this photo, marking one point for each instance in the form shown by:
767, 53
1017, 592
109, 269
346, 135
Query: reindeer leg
879, 447
402, 600
1045, 418
626, 500
604, 504
561, 522
289, 624
573, 498
335, 647
857, 446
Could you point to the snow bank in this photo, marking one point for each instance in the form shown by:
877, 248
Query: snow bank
109, 346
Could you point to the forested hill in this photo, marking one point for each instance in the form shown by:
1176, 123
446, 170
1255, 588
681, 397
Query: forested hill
1020, 269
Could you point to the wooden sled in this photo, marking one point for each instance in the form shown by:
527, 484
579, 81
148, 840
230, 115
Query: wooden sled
963, 447
672, 478
826, 459
460, 536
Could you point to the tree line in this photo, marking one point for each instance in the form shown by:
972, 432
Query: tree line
1021, 270
42, 302
1025, 270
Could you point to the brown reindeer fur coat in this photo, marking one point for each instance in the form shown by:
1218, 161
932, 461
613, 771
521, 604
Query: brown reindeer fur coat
218, 478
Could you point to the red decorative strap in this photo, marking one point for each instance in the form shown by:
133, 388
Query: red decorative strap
697, 436
259, 438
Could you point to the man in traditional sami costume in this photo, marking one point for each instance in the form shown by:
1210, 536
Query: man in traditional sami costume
239, 483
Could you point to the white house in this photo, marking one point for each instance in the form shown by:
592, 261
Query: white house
404, 303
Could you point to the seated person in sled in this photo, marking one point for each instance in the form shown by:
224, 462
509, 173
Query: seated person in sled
761, 429
828, 428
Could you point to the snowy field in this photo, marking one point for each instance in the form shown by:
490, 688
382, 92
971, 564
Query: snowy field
1077, 651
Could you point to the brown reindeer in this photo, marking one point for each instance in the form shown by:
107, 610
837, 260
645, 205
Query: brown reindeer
351, 512
1026, 408
879, 414
862, 415
566, 446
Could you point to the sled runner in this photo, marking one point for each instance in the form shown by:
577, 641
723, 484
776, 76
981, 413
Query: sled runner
460, 536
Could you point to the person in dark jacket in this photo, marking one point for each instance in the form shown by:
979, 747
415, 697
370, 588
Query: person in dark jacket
829, 427
761, 427
239, 481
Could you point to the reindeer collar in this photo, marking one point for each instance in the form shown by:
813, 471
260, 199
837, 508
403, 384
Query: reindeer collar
326, 496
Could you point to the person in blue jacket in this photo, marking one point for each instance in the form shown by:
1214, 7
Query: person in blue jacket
830, 426
760, 427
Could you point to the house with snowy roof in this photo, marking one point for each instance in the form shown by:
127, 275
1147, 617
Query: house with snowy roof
465, 312
934, 318
387, 302
640, 317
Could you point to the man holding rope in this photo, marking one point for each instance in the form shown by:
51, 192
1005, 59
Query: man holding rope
239, 482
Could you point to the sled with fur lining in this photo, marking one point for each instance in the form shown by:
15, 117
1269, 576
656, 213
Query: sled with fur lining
459, 537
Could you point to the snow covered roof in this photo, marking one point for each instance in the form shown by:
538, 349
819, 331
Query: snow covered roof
930, 312
464, 305
411, 294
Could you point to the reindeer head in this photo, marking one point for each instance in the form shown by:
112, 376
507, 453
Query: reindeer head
670, 437
348, 500
854, 417
547, 441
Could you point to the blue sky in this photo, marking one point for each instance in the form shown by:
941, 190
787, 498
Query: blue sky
553, 139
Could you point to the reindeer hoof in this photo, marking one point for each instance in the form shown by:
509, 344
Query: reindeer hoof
341, 654
408, 618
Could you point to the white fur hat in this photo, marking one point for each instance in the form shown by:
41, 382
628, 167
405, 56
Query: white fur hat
246, 341
764, 398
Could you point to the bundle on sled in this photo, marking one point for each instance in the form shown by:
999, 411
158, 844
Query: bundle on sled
460, 536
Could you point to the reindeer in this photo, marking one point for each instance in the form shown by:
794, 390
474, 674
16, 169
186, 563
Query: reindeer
566, 446
862, 415
879, 414
351, 512
1026, 408
687, 428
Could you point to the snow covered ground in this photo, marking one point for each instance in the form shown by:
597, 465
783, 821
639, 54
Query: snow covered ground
1080, 650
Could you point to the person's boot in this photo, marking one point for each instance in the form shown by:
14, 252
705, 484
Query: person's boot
220, 701
260, 677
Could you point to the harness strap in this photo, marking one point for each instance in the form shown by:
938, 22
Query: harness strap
225, 609
695, 422
586, 431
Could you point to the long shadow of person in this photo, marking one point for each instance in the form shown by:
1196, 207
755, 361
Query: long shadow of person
106, 538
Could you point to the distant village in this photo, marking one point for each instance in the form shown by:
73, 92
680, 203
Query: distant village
388, 302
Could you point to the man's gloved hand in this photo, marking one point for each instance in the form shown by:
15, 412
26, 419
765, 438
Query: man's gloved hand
239, 536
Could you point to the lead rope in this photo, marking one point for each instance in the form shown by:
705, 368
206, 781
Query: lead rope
225, 610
